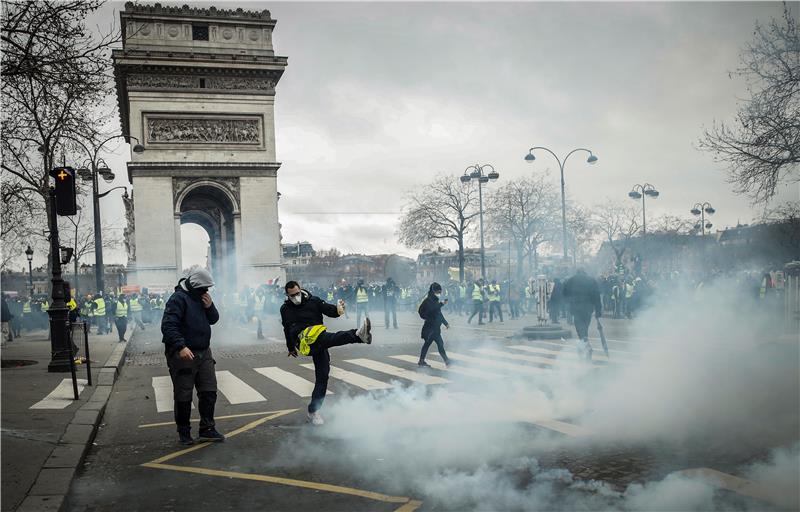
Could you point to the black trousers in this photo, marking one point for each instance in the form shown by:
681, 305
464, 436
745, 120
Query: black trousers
322, 362
494, 305
477, 309
390, 309
583, 317
431, 337
122, 326
186, 375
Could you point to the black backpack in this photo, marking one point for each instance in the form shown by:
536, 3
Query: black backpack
419, 309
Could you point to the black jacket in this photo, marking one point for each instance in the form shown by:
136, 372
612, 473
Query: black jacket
186, 323
431, 311
582, 294
309, 312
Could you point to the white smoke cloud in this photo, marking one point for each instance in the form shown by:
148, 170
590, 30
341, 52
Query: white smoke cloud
709, 379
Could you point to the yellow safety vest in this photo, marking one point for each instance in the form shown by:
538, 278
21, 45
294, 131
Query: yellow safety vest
45, 306
462, 292
26, 308
259, 302
72, 305
330, 296
101, 306
494, 293
135, 306
122, 309
528, 292
476, 293
361, 296
309, 336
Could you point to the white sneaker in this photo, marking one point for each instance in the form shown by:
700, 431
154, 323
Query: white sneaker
365, 332
315, 418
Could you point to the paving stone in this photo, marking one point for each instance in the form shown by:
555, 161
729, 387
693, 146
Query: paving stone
101, 394
86, 417
50, 503
52, 481
78, 434
66, 456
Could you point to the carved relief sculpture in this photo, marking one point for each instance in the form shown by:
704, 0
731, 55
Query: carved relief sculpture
129, 232
202, 130
163, 81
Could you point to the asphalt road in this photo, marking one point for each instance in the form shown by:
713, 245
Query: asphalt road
430, 445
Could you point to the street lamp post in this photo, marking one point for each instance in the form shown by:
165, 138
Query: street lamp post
29, 255
641, 192
591, 160
702, 209
97, 166
476, 173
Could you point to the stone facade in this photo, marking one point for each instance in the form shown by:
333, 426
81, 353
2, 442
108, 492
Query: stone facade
196, 87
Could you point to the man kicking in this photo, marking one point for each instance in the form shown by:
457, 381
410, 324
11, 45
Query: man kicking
301, 316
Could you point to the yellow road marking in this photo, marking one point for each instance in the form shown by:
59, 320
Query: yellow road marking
284, 481
230, 416
731, 483
252, 424
411, 506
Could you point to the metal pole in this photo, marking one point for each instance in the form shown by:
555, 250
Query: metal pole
480, 206
644, 217
98, 238
563, 211
59, 314
30, 277
86, 351
702, 221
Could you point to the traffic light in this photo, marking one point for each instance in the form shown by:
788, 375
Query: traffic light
66, 202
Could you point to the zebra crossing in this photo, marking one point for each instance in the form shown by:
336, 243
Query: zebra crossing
534, 359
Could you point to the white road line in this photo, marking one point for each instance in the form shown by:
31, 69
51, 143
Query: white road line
61, 396
571, 345
355, 379
162, 387
453, 369
235, 389
531, 359
732, 483
491, 363
297, 385
397, 371
571, 354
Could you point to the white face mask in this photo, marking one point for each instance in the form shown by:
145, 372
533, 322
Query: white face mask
296, 299
438, 295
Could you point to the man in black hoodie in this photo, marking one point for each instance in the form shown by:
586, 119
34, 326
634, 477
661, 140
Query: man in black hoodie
186, 328
582, 294
301, 316
431, 311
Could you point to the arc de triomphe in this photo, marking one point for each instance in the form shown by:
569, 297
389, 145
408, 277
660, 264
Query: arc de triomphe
197, 87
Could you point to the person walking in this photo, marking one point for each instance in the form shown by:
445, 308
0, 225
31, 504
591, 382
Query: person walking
477, 301
582, 294
494, 301
100, 313
6, 317
136, 311
362, 302
121, 317
431, 311
186, 329
390, 293
301, 317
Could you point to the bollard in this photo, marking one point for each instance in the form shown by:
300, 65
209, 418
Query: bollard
541, 300
71, 346
86, 351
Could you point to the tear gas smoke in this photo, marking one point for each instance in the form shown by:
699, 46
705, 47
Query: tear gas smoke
708, 379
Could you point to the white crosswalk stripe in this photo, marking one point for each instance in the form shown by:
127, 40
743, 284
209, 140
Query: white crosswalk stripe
532, 359
61, 396
162, 387
398, 372
358, 380
463, 370
491, 363
570, 353
235, 389
571, 346
297, 385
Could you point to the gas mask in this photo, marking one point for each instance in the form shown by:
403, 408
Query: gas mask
296, 299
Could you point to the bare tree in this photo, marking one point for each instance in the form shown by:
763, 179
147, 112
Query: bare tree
580, 231
672, 224
617, 223
525, 212
442, 210
55, 80
785, 221
762, 146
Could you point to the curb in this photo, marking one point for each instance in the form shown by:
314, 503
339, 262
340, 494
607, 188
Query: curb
52, 484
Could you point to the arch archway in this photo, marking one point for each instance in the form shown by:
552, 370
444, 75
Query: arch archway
214, 208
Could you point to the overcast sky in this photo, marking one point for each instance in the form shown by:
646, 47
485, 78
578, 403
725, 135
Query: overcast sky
380, 97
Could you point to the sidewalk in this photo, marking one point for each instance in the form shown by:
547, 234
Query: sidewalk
42, 447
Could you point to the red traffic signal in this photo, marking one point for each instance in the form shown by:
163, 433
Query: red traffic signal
65, 190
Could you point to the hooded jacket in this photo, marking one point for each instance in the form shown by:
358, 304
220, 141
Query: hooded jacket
296, 317
431, 311
186, 323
